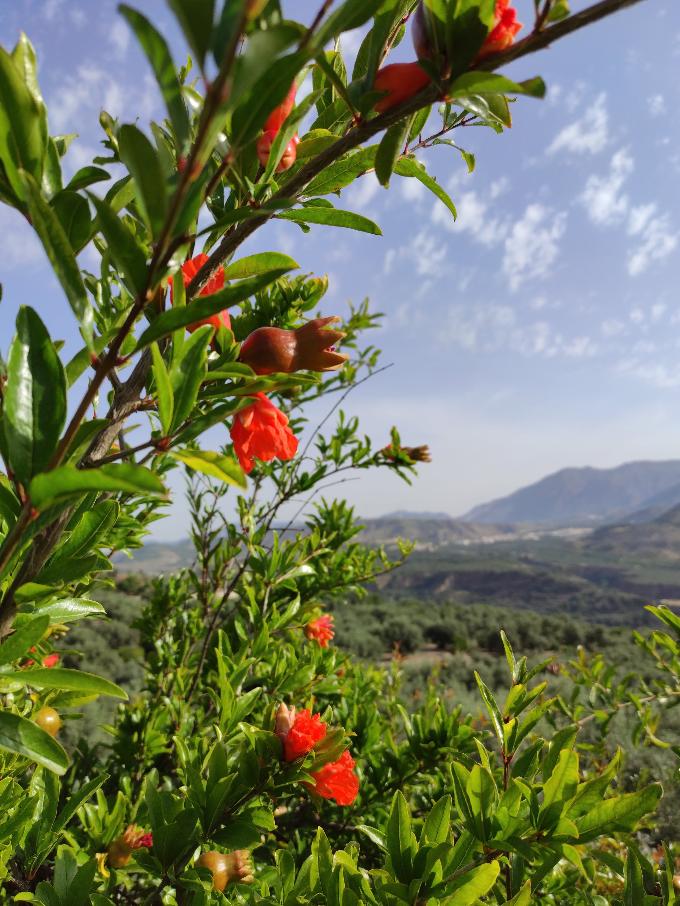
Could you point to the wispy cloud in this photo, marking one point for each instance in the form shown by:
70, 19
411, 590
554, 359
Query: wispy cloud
602, 197
532, 245
587, 135
657, 239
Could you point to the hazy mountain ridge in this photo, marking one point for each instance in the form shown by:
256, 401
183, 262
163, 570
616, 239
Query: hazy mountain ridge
587, 496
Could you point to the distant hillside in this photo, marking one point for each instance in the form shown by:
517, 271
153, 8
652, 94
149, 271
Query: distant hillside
582, 496
658, 539
431, 530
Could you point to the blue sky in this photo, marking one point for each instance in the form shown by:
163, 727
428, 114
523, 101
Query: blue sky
540, 330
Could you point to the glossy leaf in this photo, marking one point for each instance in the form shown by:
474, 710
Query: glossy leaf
473, 885
73, 213
350, 15
618, 813
67, 481
127, 254
35, 397
398, 838
196, 21
217, 465
332, 217
18, 644
389, 149
254, 265
65, 679
60, 253
164, 392
187, 372
483, 83
22, 137
69, 610
87, 176
158, 55
23, 737
139, 156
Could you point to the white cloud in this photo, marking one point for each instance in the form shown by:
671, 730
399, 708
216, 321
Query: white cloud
532, 245
658, 239
657, 104
589, 134
429, 254
412, 190
612, 327
473, 218
119, 36
20, 245
362, 192
388, 263
602, 196
639, 218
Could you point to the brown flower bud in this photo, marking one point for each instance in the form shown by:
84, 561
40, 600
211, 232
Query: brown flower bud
285, 718
308, 348
228, 867
415, 454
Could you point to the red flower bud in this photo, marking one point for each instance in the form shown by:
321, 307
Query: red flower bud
502, 35
51, 660
189, 270
308, 348
289, 156
400, 81
281, 113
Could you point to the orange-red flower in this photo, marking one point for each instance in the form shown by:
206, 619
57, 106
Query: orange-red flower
120, 851
502, 35
307, 348
260, 431
299, 731
51, 660
337, 780
321, 630
189, 270
400, 81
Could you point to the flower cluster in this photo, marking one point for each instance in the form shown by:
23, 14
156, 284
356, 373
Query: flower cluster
300, 732
321, 630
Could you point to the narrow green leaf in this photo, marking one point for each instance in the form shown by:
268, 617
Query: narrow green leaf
73, 213
491, 707
67, 680
437, 826
164, 392
60, 253
23, 737
342, 172
410, 167
224, 468
205, 306
484, 83
523, 898
22, 136
187, 372
390, 147
69, 610
254, 265
18, 644
127, 254
91, 528
35, 397
267, 93
139, 156
398, 838
158, 54
87, 176
620, 813
67, 481
634, 891
195, 18
332, 217
473, 885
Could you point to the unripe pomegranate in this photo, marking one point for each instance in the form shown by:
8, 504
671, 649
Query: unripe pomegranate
400, 81
279, 114
307, 348
264, 146
48, 720
218, 865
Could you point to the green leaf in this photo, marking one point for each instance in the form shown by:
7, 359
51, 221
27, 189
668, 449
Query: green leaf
87, 176
491, 707
73, 213
390, 147
67, 680
67, 481
342, 172
634, 890
205, 306
224, 468
139, 156
187, 372
410, 167
35, 397
158, 54
398, 838
60, 253
437, 826
559, 788
332, 217
473, 885
254, 265
484, 83
23, 737
267, 93
22, 136
68, 610
523, 898
21, 641
166, 401
90, 530
620, 813
196, 21
127, 254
